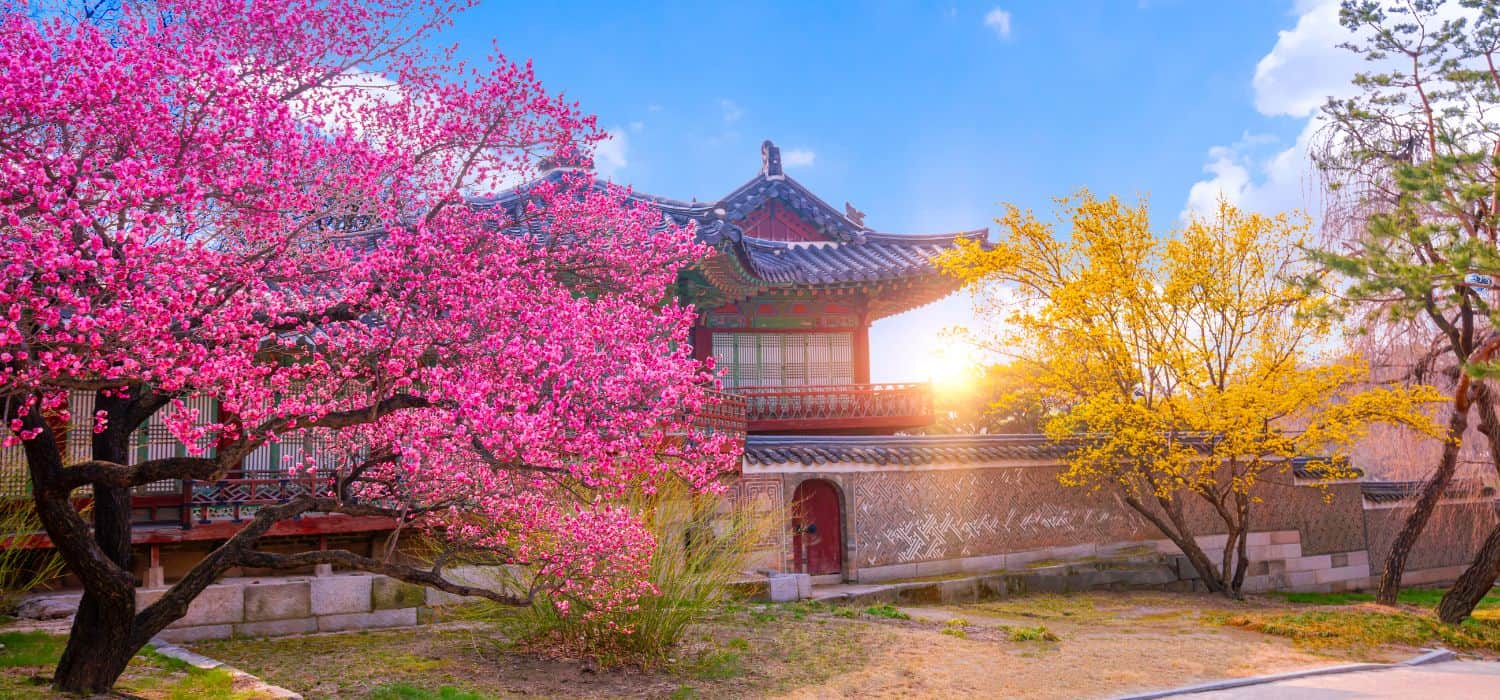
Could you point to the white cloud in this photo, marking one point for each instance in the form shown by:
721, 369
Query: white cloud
1306, 66
999, 21
731, 111
798, 157
1295, 78
1254, 174
610, 154
637, 126
1300, 72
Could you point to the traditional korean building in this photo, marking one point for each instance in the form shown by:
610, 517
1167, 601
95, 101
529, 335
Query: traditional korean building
786, 302
785, 307
787, 299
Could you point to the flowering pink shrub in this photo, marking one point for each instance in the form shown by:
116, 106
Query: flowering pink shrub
268, 203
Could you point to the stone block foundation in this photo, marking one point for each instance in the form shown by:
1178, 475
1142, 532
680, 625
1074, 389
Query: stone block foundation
275, 607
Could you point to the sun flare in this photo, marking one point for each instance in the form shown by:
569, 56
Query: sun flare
951, 367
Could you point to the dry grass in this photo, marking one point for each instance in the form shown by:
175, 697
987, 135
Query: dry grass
1044, 646
1368, 626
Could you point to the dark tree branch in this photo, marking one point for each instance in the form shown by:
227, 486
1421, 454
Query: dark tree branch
430, 578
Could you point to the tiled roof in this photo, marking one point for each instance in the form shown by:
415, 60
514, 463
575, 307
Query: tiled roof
1302, 468
748, 197
853, 255
922, 449
910, 450
1396, 491
878, 257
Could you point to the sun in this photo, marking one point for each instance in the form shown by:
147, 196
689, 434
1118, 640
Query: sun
951, 367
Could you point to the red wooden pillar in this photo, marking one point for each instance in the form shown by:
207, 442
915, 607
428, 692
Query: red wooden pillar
702, 342
862, 351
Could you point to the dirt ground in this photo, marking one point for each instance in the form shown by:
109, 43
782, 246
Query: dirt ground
1107, 645
1074, 646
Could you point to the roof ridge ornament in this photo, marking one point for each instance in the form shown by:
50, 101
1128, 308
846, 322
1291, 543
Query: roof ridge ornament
770, 161
855, 216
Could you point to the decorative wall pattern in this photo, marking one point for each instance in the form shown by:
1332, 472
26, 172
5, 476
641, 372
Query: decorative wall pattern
763, 495
923, 515
1450, 539
920, 514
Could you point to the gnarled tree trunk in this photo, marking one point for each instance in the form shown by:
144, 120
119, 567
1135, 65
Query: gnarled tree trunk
1416, 521
1475, 582
98, 647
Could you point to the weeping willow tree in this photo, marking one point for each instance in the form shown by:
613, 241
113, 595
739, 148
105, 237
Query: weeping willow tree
1413, 163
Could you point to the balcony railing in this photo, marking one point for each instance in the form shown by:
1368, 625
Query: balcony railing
838, 407
724, 414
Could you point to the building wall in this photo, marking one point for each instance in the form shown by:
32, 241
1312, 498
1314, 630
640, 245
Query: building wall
1446, 545
904, 521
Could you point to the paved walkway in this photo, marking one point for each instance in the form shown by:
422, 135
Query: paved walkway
1448, 680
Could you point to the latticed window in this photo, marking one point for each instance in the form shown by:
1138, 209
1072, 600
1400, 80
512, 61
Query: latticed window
151, 441
784, 359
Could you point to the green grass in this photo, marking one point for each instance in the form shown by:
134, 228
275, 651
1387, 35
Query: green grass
1363, 628
1423, 597
718, 665
1040, 633
404, 691
30, 649
149, 671
886, 611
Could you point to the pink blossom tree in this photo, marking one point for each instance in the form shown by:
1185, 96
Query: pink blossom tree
271, 203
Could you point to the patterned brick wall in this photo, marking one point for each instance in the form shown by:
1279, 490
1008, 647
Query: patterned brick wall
763, 495
913, 516
927, 514
1330, 519
1450, 538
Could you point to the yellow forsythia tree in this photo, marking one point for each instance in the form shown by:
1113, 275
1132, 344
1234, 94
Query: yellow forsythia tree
1189, 366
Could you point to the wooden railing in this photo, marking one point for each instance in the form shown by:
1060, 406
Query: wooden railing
238, 499
726, 413
838, 407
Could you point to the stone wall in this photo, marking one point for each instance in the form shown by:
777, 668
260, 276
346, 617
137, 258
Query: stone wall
270, 607
905, 521
1445, 546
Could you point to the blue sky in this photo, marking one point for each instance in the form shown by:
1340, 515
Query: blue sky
928, 115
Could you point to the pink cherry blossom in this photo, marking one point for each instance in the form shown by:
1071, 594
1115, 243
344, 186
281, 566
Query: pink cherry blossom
271, 204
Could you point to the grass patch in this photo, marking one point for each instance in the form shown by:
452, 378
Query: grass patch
1365, 628
718, 665
149, 671
30, 649
955, 632
406, 691
1421, 597
886, 611
1045, 606
1040, 633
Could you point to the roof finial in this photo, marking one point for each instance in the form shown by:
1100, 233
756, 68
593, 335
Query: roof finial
770, 160
855, 216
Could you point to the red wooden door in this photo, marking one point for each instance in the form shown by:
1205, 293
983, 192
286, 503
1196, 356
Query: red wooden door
817, 543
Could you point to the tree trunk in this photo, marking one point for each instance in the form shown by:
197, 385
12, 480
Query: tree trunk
1416, 521
1475, 582
96, 656
1178, 532
99, 645
1241, 528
